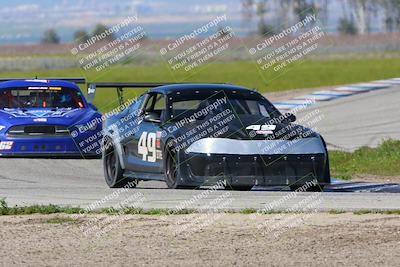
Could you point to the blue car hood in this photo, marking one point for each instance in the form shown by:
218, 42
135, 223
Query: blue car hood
62, 116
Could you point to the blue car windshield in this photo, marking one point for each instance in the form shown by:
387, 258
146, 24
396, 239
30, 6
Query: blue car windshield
38, 97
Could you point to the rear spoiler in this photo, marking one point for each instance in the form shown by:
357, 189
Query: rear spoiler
71, 80
120, 88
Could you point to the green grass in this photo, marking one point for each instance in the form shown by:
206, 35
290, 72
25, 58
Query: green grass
386, 212
304, 74
383, 161
53, 209
334, 211
41, 209
248, 211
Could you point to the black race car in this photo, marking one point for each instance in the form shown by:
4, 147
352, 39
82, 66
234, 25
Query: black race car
190, 135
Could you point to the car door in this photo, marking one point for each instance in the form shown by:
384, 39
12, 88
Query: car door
143, 151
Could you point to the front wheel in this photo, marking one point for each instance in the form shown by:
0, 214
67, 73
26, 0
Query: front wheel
171, 170
113, 172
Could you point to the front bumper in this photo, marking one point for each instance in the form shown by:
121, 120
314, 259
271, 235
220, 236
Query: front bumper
50, 147
247, 170
255, 162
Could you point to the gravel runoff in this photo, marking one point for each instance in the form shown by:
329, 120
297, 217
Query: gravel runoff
217, 240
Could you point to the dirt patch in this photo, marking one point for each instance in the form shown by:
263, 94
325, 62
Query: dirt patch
232, 239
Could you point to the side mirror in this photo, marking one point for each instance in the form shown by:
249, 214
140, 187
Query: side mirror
91, 92
93, 107
152, 117
290, 117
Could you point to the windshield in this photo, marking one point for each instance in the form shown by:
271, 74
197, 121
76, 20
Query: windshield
34, 97
240, 105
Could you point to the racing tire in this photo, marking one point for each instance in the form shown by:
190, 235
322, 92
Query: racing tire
113, 172
172, 172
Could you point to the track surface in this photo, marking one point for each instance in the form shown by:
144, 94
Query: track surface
360, 120
348, 123
80, 183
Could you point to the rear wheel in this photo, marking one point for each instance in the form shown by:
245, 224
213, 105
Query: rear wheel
113, 172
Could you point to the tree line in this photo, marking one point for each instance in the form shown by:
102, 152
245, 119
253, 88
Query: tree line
50, 36
356, 15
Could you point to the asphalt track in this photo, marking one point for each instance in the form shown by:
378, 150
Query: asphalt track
360, 120
26, 182
348, 123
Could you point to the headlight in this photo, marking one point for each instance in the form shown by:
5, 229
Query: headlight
2, 127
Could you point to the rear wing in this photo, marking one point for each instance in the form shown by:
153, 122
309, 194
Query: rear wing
71, 80
120, 88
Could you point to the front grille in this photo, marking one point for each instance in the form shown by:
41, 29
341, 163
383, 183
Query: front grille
40, 129
31, 131
260, 166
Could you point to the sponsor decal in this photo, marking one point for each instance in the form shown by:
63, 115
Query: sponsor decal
38, 88
158, 139
38, 113
40, 120
6, 145
38, 81
159, 154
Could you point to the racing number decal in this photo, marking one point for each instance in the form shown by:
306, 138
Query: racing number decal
147, 145
6, 145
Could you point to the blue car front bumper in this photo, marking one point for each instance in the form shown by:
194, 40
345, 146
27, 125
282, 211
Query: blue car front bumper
49, 147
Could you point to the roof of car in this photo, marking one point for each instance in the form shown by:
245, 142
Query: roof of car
38, 83
166, 89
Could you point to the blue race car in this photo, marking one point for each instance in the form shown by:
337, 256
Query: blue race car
48, 118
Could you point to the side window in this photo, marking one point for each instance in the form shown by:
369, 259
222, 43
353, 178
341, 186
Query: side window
160, 103
149, 104
156, 104
263, 111
135, 107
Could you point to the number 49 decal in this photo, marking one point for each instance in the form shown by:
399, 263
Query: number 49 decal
147, 145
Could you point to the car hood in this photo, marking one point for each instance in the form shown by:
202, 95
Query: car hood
63, 116
252, 127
